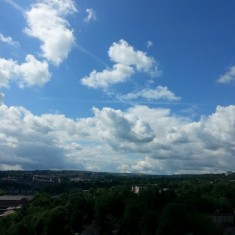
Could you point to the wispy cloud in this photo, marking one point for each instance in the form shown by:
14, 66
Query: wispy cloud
159, 93
1, 98
15, 5
8, 40
149, 43
90, 15
90, 54
228, 77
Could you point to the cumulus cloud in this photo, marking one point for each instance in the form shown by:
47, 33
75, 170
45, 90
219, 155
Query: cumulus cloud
90, 15
159, 93
139, 139
46, 22
123, 53
8, 40
119, 73
180, 145
127, 61
147, 165
7, 71
31, 72
35, 142
1, 98
185, 146
228, 77
122, 126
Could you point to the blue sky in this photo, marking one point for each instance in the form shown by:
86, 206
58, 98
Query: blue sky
116, 86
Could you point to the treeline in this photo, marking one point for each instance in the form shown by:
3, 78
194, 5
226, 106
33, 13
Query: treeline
154, 211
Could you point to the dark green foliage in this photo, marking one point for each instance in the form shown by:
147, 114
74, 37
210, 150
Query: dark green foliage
47, 215
110, 206
131, 218
149, 223
178, 218
174, 207
55, 222
79, 208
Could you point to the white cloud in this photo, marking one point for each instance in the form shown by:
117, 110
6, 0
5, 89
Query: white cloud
127, 62
7, 71
121, 52
228, 77
90, 15
5, 167
119, 73
1, 98
46, 22
147, 165
140, 139
32, 72
63, 7
34, 142
159, 93
122, 126
183, 146
8, 40
8, 140
149, 44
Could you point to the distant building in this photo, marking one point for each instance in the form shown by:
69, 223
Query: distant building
223, 219
137, 189
13, 201
46, 179
227, 173
163, 190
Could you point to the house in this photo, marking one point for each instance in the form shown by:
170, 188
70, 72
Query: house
137, 189
13, 200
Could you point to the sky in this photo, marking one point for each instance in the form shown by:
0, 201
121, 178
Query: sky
117, 86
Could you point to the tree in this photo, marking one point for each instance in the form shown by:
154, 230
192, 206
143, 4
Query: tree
149, 222
178, 218
56, 222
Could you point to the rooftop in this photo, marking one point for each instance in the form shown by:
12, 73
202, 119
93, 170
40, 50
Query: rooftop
14, 197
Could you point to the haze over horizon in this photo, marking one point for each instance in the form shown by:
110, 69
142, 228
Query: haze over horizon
117, 86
